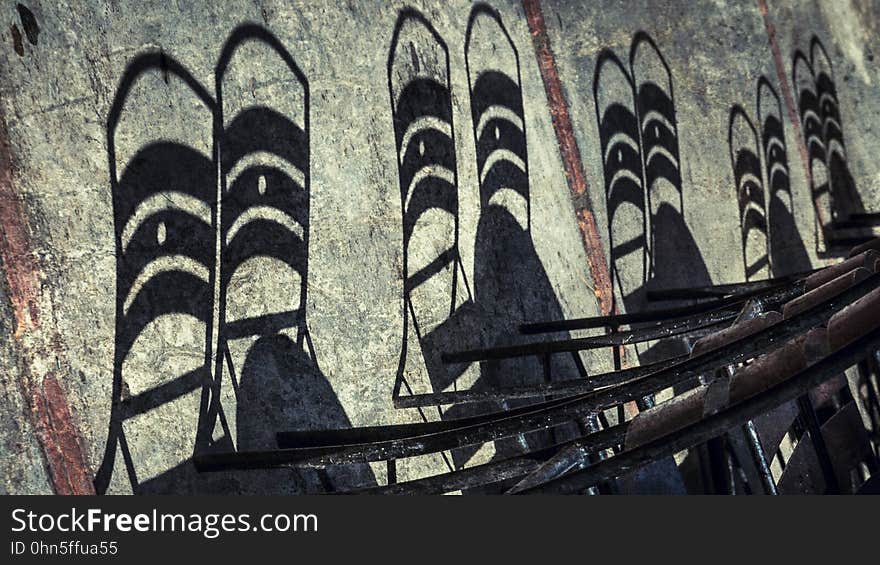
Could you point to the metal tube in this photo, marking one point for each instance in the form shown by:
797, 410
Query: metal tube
760, 457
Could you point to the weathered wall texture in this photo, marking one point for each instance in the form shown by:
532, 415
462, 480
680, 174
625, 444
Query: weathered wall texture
118, 110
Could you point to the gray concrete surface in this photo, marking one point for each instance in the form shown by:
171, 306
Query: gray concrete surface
57, 94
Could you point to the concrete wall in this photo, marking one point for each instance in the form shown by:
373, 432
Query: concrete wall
339, 367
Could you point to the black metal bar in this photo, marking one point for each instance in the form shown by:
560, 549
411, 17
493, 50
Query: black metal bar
857, 220
712, 426
497, 471
578, 344
736, 469
547, 365
719, 290
660, 316
392, 471
838, 241
760, 458
370, 434
718, 463
571, 458
568, 387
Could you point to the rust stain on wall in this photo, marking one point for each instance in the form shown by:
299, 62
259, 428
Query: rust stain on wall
60, 439
50, 410
571, 157
18, 262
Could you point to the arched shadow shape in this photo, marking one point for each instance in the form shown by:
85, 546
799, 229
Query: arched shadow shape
265, 183
748, 182
428, 179
670, 240
642, 169
845, 197
178, 240
658, 122
623, 169
509, 280
499, 124
788, 254
833, 187
811, 129
510, 284
263, 160
648, 237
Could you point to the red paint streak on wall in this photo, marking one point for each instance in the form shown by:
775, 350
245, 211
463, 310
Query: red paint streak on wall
571, 157
790, 106
18, 262
60, 439
49, 408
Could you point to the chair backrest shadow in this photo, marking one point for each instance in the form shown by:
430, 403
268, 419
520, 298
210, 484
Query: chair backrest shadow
648, 235
623, 168
180, 228
787, 251
832, 186
164, 209
421, 104
745, 160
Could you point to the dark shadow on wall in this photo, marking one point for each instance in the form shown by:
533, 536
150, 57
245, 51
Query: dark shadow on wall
638, 133
772, 247
671, 242
173, 233
510, 285
421, 104
623, 169
166, 221
745, 159
832, 185
264, 147
771, 244
644, 196
788, 253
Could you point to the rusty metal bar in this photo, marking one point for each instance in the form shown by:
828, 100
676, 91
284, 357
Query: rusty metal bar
716, 424
808, 413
